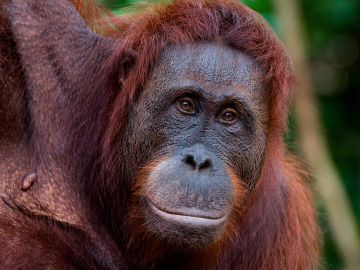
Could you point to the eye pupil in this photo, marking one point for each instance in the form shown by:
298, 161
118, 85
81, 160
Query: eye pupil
229, 116
186, 105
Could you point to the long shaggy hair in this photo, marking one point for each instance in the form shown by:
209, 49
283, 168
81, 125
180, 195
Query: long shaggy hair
278, 229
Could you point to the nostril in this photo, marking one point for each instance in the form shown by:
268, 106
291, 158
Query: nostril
189, 159
205, 165
197, 164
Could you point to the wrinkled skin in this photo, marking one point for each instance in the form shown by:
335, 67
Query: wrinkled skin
179, 123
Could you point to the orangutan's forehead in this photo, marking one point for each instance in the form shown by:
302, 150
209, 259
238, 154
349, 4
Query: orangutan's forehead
212, 63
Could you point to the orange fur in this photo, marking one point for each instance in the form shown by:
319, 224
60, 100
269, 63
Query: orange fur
276, 227
272, 227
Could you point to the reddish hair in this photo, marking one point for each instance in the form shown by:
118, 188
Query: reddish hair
278, 229
189, 21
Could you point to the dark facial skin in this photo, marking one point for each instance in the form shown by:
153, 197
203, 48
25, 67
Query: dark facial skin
201, 120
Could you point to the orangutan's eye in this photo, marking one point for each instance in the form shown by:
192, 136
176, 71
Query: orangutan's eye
229, 116
186, 105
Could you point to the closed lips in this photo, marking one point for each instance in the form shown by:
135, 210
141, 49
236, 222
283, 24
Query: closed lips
189, 216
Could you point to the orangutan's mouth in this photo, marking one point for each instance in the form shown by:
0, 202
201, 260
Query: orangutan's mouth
190, 216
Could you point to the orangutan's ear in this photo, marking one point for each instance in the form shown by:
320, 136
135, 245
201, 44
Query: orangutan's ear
125, 65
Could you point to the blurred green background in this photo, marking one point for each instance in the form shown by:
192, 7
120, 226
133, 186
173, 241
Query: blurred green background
331, 37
